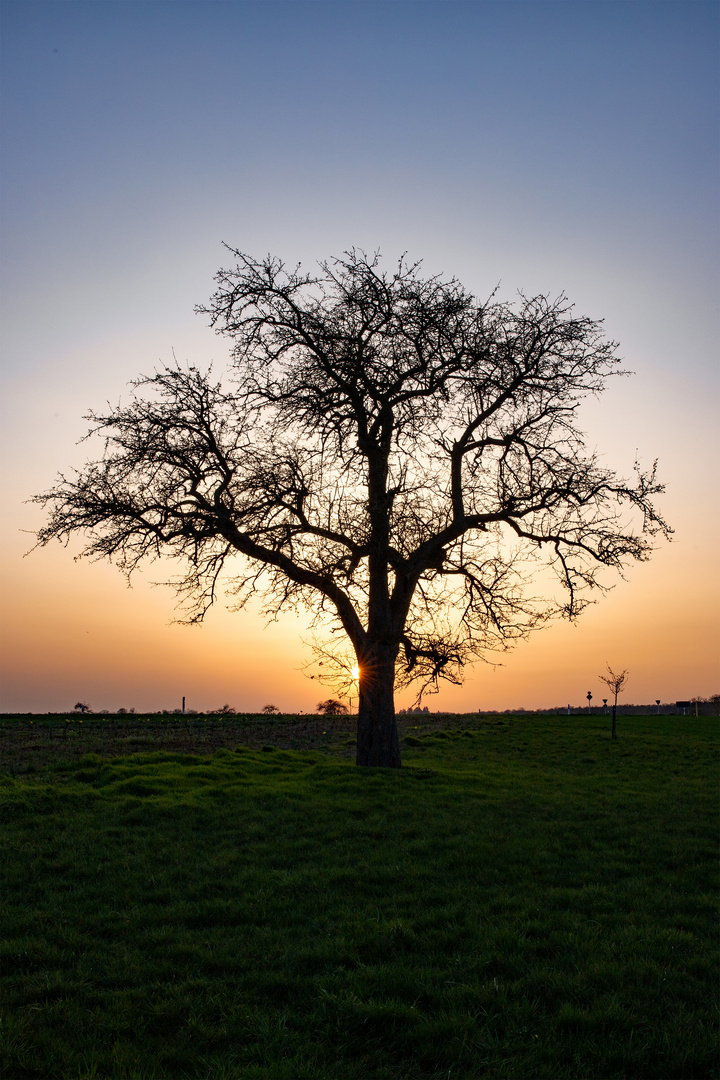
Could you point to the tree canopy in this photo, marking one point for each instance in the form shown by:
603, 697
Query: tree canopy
385, 451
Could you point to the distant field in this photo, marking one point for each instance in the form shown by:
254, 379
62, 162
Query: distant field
525, 899
31, 742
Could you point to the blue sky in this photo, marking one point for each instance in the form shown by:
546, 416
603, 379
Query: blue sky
552, 147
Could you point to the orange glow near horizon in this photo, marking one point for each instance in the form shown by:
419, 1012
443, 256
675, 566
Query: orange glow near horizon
74, 631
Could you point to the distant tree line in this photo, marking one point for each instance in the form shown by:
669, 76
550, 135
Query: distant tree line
709, 706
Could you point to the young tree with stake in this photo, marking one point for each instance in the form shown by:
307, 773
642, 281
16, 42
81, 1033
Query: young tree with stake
388, 452
615, 684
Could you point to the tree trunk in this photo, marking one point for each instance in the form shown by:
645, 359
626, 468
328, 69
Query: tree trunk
377, 735
614, 733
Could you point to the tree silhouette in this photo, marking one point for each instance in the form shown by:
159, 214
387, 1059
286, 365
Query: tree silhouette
331, 707
615, 684
388, 453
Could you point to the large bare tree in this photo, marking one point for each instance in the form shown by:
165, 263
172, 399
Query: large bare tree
385, 451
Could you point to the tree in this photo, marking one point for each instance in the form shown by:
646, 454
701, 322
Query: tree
331, 707
615, 684
270, 710
82, 706
389, 453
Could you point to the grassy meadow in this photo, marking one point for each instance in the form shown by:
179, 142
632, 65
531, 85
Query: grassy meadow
234, 899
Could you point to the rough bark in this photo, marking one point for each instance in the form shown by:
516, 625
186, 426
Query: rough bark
377, 735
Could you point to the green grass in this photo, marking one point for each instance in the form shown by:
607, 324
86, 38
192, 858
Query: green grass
524, 899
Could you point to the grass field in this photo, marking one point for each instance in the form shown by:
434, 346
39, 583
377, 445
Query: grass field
525, 898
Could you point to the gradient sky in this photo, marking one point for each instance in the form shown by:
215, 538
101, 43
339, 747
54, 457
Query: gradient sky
549, 147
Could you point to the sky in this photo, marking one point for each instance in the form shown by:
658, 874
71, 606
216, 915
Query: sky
545, 146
